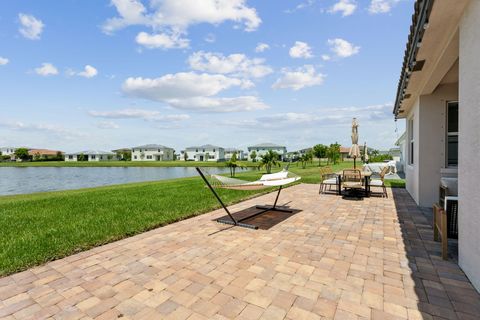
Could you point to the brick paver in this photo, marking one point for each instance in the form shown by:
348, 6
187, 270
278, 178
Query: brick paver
334, 259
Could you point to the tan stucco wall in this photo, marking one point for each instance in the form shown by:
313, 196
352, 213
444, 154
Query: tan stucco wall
469, 144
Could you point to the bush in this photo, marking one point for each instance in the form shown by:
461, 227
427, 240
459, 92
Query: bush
380, 158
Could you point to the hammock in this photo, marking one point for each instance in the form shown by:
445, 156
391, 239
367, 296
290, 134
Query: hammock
267, 180
279, 179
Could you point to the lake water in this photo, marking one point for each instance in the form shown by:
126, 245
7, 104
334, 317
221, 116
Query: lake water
22, 180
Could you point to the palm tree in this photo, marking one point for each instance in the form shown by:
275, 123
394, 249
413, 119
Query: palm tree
233, 165
269, 160
253, 156
304, 158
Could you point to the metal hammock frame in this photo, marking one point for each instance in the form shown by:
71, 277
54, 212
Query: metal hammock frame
237, 184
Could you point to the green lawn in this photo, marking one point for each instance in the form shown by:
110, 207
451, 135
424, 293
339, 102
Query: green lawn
41, 227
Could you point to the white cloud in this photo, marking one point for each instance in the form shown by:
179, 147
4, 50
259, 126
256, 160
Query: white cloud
301, 50
261, 47
299, 78
47, 69
3, 61
162, 40
303, 5
326, 117
193, 91
346, 7
183, 84
170, 19
88, 72
57, 130
107, 125
31, 27
382, 6
342, 48
236, 104
234, 64
326, 57
147, 115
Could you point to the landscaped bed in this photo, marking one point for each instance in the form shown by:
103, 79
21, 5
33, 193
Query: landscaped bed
40, 227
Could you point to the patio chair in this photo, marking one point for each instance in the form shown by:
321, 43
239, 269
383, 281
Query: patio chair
380, 183
327, 178
352, 180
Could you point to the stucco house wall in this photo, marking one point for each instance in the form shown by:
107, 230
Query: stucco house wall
200, 153
152, 153
469, 144
429, 115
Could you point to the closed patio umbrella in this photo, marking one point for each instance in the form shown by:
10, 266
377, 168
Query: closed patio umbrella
365, 153
354, 150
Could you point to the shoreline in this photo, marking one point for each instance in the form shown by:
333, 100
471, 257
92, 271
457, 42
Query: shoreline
152, 164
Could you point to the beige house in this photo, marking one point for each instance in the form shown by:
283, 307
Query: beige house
439, 96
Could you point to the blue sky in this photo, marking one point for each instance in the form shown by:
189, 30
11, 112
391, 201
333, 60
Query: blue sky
92, 74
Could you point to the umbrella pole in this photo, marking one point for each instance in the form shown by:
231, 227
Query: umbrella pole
354, 163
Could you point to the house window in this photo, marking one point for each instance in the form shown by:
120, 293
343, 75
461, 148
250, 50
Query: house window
92, 157
213, 150
70, 157
452, 134
411, 142
134, 157
149, 157
196, 150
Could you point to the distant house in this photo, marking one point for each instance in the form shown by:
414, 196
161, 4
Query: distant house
295, 155
344, 152
7, 151
152, 152
261, 149
44, 154
230, 151
91, 155
123, 153
206, 152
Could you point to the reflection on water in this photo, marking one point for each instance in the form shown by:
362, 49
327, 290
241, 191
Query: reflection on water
21, 180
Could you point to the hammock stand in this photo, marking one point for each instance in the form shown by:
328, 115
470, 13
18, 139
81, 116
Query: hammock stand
245, 185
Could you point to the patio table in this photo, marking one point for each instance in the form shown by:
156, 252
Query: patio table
365, 176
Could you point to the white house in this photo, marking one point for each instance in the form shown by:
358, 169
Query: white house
439, 96
261, 149
230, 151
91, 155
206, 152
152, 152
8, 151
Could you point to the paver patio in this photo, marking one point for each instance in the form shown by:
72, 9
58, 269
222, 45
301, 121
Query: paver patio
333, 259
